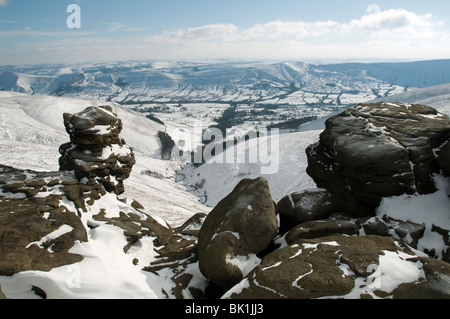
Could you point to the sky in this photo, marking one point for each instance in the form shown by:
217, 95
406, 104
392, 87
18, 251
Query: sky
54, 31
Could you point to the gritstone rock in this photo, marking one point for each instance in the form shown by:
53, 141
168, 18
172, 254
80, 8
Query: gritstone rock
378, 150
239, 227
345, 267
96, 151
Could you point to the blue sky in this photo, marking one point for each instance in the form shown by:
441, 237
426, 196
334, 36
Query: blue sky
35, 31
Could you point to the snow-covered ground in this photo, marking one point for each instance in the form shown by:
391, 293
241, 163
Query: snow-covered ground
105, 272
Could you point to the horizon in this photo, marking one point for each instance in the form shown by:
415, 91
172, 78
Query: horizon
85, 31
223, 61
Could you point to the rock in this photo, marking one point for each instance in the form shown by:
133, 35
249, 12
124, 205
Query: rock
406, 231
321, 228
2, 295
444, 159
237, 229
345, 267
96, 151
308, 205
177, 259
36, 232
378, 150
193, 225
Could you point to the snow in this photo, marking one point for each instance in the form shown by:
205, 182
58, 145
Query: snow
245, 263
428, 210
64, 229
290, 177
105, 272
392, 270
435, 96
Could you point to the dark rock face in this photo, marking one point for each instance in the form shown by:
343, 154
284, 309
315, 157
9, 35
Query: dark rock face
239, 227
444, 159
308, 205
407, 231
96, 151
378, 150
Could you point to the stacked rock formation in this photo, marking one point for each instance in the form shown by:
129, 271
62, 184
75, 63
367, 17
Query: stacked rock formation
96, 151
381, 150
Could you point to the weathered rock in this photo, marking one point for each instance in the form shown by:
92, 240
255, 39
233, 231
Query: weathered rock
406, 231
238, 228
378, 150
444, 159
193, 225
176, 260
96, 151
345, 267
321, 228
36, 232
312, 204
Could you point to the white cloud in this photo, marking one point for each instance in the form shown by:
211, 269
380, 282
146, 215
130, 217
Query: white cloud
364, 36
3, 3
391, 23
209, 32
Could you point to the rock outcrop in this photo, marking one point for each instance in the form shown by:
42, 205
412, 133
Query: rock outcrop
96, 151
241, 226
378, 150
36, 228
345, 267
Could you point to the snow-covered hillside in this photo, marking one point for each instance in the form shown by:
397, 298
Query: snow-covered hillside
435, 96
32, 129
212, 181
287, 82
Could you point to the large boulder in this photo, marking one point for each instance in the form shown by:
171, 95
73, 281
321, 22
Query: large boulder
380, 150
345, 267
237, 229
96, 150
300, 207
